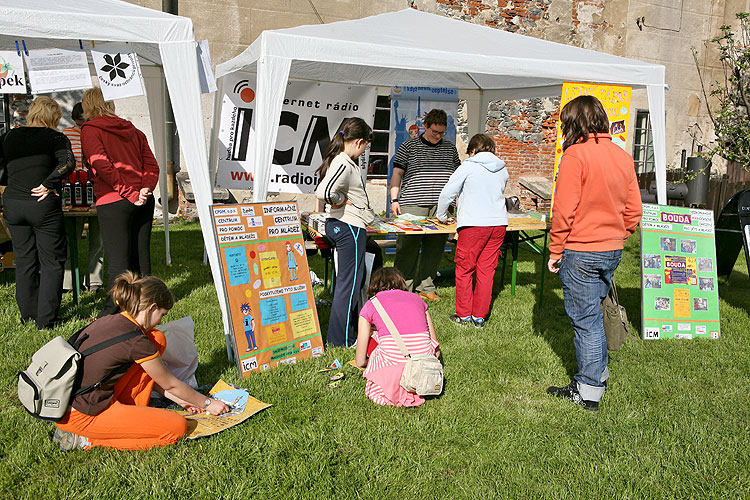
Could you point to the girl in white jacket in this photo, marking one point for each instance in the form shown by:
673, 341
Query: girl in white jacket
343, 188
479, 183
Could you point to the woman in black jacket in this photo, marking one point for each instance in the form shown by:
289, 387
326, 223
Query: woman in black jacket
38, 158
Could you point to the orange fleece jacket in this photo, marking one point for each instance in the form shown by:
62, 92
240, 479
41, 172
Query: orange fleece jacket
597, 199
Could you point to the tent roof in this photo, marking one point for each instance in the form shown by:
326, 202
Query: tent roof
60, 24
410, 47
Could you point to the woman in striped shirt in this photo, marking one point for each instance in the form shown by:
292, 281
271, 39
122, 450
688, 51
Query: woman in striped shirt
386, 363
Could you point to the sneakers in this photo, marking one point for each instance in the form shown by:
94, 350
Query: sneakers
459, 320
570, 392
478, 322
68, 441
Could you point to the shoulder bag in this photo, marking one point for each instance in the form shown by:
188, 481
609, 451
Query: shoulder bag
423, 373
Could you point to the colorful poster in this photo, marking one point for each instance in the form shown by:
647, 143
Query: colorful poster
310, 115
616, 102
266, 280
118, 70
55, 70
408, 107
680, 292
12, 77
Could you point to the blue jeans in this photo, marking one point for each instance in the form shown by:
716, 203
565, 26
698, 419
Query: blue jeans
586, 278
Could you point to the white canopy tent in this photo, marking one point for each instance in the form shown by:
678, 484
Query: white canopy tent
161, 41
410, 47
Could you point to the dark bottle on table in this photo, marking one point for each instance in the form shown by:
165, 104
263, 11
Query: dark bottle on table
78, 192
90, 198
67, 193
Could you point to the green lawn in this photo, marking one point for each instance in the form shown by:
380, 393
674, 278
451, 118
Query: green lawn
675, 422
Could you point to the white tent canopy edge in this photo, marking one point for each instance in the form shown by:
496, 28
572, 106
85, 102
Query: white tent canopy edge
64, 22
389, 50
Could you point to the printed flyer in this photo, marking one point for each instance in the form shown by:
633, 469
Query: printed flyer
267, 284
680, 292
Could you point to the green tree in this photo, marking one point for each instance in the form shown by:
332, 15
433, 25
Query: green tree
730, 116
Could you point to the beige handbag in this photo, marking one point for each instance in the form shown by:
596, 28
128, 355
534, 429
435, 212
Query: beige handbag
423, 373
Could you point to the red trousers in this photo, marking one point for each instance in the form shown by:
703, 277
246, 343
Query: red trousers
477, 252
128, 423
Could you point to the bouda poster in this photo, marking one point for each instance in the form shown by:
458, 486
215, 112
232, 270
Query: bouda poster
267, 284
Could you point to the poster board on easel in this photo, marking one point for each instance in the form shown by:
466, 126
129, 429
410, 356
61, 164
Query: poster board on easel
266, 281
680, 289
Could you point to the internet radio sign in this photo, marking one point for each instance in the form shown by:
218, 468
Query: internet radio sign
676, 218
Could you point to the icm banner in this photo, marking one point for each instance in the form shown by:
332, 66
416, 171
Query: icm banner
311, 114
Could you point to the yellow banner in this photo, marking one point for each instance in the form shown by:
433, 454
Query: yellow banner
616, 102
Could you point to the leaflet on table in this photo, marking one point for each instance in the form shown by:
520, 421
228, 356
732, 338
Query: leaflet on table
679, 282
267, 284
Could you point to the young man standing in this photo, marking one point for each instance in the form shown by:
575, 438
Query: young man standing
421, 167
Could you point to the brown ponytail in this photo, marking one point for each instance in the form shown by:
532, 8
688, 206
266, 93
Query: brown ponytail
133, 294
350, 130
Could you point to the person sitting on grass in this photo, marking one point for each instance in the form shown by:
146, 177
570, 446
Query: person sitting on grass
386, 363
116, 414
479, 183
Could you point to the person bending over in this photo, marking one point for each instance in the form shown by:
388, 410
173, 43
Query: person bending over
116, 414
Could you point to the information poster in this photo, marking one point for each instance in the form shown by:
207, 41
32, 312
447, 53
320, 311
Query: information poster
56, 70
680, 287
616, 102
267, 284
311, 113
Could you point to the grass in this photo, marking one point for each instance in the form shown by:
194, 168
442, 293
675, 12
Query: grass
673, 424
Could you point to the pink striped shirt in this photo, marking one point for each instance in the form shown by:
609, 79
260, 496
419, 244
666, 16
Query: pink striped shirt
386, 363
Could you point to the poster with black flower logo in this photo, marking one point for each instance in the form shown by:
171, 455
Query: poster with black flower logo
118, 71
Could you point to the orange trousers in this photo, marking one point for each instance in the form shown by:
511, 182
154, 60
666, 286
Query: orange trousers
128, 423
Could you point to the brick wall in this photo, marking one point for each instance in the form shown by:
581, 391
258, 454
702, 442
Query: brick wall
524, 132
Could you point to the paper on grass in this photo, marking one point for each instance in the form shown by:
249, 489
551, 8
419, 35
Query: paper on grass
243, 406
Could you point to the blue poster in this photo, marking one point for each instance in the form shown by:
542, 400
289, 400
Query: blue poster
272, 310
237, 269
408, 107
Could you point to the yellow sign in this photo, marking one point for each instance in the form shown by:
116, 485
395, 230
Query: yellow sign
269, 266
616, 102
681, 302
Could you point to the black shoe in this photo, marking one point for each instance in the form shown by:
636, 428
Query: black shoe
459, 320
94, 289
570, 392
479, 322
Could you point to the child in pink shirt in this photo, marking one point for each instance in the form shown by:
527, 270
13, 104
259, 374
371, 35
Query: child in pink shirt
385, 365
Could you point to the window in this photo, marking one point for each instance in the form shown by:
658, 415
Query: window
643, 146
378, 168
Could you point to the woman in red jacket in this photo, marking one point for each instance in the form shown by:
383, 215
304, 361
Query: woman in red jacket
125, 174
597, 206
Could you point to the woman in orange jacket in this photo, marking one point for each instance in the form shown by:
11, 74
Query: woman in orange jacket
597, 207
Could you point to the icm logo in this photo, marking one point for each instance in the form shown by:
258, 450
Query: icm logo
52, 403
651, 333
244, 91
249, 364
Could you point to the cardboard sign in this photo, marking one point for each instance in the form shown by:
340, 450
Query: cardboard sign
267, 284
12, 78
616, 102
680, 286
311, 114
